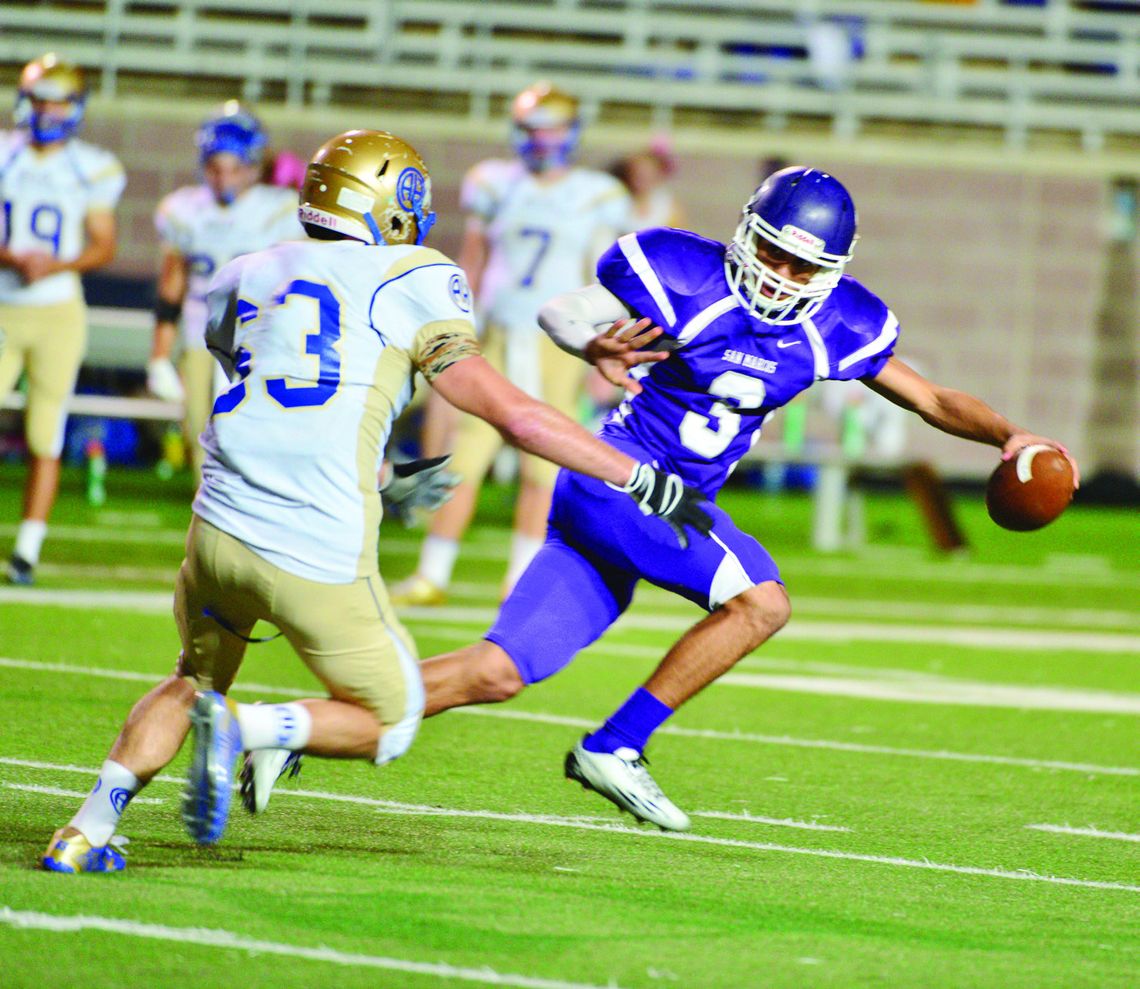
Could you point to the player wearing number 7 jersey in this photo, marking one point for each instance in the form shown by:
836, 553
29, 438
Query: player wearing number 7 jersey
321, 339
536, 225
57, 197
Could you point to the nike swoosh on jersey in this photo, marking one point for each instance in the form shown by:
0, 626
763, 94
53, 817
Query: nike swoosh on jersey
787, 343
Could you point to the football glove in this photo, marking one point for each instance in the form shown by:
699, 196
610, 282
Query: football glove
162, 380
417, 485
670, 499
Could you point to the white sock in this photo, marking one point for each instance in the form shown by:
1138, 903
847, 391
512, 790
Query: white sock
100, 813
274, 726
437, 560
29, 539
523, 550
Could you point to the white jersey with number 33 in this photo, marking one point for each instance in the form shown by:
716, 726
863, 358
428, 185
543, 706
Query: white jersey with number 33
324, 338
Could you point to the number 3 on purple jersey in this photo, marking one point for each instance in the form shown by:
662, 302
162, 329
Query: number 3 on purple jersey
697, 430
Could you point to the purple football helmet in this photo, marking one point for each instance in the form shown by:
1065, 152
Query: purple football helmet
803, 212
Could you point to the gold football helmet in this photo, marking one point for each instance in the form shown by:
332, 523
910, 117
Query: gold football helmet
545, 126
368, 185
47, 79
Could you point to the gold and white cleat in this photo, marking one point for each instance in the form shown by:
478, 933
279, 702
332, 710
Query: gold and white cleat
417, 592
71, 852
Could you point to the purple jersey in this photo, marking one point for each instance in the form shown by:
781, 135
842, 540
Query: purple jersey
701, 410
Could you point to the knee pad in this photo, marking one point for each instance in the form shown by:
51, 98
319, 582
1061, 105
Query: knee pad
397, 740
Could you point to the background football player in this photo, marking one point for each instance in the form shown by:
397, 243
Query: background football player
285, 521
201, 228
535, 226
57, 195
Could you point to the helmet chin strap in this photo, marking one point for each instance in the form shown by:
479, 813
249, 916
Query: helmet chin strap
374, 228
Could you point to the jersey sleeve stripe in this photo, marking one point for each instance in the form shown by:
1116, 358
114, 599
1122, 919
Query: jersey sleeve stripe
885, 338
706, 316
640, 265
818, 349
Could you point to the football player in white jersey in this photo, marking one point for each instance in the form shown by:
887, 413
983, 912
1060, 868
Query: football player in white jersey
321, 339
536, 224
201, 227
57, 199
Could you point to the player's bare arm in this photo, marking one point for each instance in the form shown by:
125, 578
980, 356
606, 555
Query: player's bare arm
99, 250
956, 412
474, 386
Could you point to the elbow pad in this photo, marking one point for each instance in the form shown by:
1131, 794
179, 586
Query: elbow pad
573, 319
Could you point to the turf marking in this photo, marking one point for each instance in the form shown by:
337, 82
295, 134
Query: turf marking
479, 617
906, 568
55, 791
217, 938
658, 598
983, 637
1084, 832
588, 723
779, 822
400, 808
944, 690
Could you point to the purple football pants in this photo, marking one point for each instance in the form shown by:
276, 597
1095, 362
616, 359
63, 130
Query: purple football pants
598, 546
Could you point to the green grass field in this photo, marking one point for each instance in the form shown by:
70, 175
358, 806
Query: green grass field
930, 778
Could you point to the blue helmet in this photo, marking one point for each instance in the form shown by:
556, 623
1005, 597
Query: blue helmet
233, 131
805, 213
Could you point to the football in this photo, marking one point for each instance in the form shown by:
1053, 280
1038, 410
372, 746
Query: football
1030, 489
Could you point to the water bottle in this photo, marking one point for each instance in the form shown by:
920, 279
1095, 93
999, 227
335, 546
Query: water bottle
96, 472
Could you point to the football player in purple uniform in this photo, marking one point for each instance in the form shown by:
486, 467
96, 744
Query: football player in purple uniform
746, 327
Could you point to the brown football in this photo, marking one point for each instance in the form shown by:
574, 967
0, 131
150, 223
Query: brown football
1030, 489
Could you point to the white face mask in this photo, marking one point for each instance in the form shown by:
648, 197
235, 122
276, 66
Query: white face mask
766, 293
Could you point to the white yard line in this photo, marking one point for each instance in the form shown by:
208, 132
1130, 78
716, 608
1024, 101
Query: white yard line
587, 723
479, 618
985, 637
470, 592
778, 822
55, 791
943, 690
610, 827
217, 938
1084, 832
891, 567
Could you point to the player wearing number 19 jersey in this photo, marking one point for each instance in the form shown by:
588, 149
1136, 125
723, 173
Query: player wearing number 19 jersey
57, 197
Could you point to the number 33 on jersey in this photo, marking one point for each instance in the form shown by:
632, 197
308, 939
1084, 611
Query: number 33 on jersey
321, 341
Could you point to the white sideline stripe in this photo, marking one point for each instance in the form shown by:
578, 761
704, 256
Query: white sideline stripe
55, 791
877, 608
984, 637
814, 743
1085, 832
569, 722
870, 565
942, 690
606, 825
779, 822
217, 938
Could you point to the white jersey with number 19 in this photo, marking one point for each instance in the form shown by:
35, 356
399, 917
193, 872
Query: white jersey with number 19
323, 340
